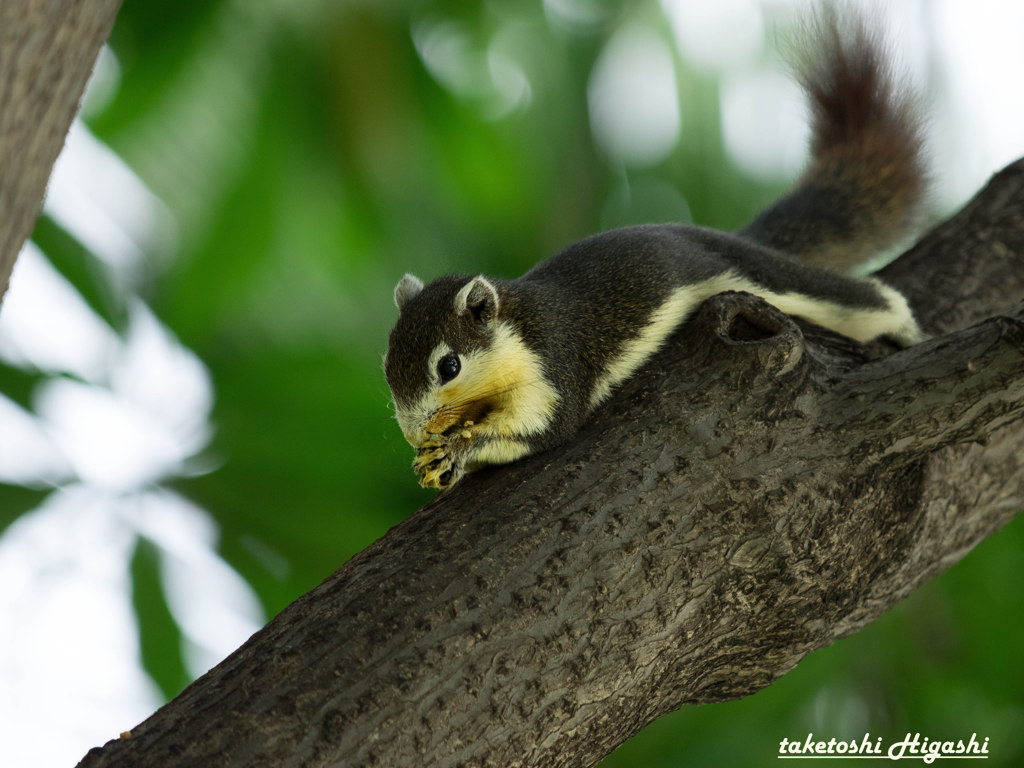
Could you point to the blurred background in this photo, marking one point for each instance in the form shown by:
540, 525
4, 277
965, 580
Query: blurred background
194, 426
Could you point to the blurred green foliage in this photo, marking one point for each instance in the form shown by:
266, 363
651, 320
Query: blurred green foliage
310, 158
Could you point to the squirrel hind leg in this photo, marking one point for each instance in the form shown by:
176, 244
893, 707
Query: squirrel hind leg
866, 183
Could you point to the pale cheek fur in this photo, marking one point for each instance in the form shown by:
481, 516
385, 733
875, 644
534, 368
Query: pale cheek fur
509, 376
513, 375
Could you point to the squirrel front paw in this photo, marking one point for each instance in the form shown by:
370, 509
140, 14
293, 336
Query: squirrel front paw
441, 461
436, 467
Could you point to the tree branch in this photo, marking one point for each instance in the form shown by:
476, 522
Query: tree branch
47, 51
973, 382
759, 490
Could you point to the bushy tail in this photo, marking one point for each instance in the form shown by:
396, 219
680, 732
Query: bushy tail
866, 184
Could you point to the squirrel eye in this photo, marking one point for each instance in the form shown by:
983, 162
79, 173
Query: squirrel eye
448, 367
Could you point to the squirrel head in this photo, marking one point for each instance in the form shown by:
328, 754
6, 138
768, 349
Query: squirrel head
456, 359
437, 360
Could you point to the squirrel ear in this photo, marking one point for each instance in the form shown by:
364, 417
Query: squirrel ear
406, 290
479, 297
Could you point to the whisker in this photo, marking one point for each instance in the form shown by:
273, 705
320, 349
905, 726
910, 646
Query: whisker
475, 397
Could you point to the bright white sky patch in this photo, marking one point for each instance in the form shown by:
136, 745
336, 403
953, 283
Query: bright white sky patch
111, 443
70, 673
764, 123
980, 128
99, 200
28, 454
143, 408
47, 325
634, 106
164, 379
716, 34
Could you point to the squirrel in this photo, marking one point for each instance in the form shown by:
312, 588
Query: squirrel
486, 371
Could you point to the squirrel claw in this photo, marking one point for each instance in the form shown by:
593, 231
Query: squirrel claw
440, 473
435, 463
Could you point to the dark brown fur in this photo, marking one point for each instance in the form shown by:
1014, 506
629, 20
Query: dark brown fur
866, 183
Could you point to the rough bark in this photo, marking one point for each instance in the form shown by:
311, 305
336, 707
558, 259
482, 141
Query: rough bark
759, 490
47, 51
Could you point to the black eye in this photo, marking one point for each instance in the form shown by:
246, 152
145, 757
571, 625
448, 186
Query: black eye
448, 367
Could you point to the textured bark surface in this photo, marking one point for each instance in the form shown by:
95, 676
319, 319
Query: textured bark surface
759, 490
47, 51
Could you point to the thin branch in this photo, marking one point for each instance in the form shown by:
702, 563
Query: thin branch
47, 51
